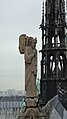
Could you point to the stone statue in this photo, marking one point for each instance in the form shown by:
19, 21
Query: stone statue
30, 67
27, 46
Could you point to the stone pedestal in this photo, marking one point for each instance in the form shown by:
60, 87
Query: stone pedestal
32, 111
31, 102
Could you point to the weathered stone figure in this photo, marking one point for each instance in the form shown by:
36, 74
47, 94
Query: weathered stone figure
30, 67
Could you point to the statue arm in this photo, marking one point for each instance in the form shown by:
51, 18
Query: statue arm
36, 58
28, 57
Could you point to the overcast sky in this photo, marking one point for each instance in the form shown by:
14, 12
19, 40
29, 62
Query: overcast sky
16, 17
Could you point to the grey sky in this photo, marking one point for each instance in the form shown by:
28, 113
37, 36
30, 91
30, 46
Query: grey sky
16, 17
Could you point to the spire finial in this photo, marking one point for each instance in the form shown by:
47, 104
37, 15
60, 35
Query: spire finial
43, 12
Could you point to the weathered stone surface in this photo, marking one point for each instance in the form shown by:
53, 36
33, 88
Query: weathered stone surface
30, 68
31, 102
22, 41
32, 113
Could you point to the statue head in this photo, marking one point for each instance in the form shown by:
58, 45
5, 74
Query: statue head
32, 42
24, 41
